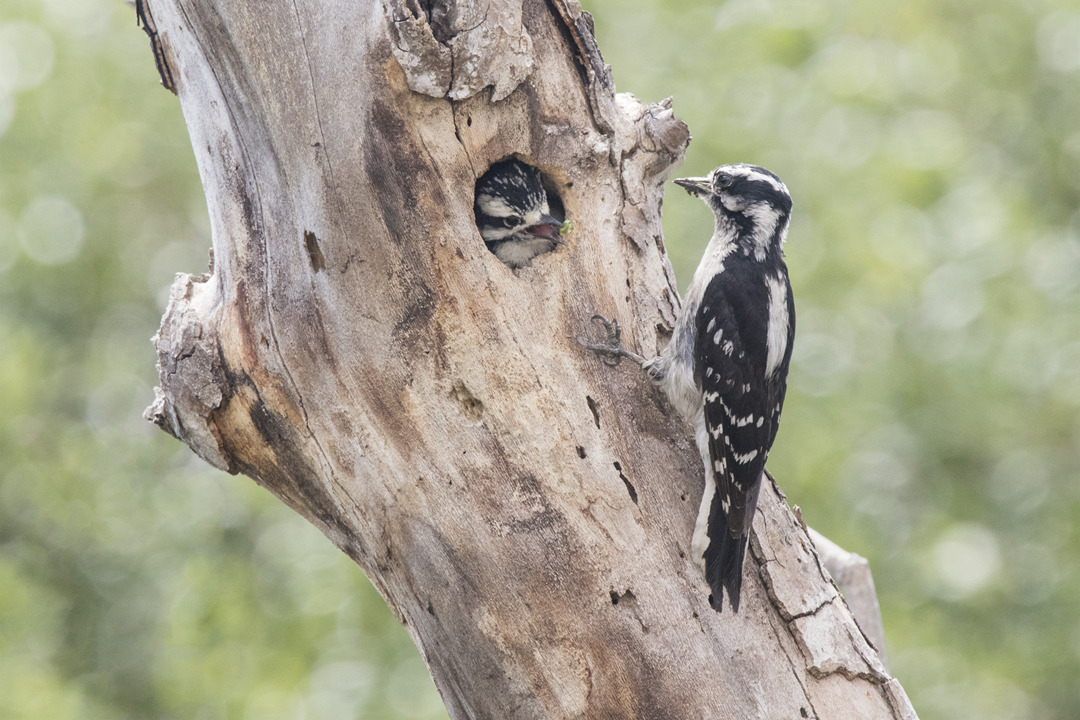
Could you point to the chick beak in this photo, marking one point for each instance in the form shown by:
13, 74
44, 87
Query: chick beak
695, 186
548, 227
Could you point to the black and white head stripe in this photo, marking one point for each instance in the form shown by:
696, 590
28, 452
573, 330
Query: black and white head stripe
506, 196
749, 175
512, 213
752, 201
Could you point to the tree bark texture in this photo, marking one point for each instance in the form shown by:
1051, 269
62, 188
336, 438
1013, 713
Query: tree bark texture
525, 509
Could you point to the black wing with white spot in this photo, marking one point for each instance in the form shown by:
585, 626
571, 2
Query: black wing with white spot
741, 407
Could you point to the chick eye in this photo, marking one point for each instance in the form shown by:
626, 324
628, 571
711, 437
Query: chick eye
723, 181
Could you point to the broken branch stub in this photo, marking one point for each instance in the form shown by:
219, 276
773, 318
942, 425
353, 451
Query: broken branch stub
359, 351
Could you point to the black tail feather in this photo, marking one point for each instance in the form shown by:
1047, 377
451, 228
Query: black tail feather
725, 553
723, 563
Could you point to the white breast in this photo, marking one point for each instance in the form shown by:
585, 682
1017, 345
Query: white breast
779, 321
675, 365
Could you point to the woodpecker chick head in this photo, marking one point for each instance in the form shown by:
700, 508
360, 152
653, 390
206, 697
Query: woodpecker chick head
750, 203
512, 213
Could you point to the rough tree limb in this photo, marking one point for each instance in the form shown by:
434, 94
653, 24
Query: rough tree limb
852, 573
524, 509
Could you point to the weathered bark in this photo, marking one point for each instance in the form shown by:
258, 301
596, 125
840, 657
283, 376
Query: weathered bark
851, 572
523, 508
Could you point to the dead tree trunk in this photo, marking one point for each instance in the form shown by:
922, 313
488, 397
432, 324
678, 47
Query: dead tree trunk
523, 508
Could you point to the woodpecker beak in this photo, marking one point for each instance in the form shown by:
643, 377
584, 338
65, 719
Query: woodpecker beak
548, 227
695, 186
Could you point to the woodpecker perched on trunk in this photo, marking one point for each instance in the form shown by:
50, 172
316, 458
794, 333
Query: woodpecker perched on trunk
725, 368
512, 213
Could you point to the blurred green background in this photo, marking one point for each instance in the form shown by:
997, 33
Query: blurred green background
933, 150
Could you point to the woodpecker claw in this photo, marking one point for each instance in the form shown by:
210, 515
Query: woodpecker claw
614, 330
611, 351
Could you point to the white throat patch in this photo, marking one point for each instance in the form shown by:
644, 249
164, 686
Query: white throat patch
765, 218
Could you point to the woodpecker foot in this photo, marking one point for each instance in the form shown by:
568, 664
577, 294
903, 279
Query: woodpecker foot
611, 351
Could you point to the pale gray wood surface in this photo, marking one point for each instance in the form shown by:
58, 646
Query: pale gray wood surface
523, 508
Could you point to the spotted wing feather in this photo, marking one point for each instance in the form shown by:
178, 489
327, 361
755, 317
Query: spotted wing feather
731, 351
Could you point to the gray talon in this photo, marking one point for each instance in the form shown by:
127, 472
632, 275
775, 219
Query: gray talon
610, 351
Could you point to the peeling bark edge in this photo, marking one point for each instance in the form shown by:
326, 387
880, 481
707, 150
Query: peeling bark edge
189, 370
145, 19
578, 26
442, 58
852, 573
440, 61
812, 610
898, 699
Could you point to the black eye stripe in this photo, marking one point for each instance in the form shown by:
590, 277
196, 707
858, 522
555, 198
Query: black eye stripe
491, 221
754, 190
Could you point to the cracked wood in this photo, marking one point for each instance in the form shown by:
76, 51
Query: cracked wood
525, 510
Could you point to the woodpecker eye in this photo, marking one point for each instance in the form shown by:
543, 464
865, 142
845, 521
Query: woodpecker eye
722, 181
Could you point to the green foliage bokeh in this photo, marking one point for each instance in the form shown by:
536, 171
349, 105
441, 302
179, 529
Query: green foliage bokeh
933, 150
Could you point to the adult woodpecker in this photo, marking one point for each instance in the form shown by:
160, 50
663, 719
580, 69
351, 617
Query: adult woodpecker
512, 213
725, 368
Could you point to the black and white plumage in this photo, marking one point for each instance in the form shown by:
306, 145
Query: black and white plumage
725, 368
512, 213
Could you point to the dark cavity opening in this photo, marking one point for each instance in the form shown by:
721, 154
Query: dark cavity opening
315, 255
519, 212
595, 412
626, 481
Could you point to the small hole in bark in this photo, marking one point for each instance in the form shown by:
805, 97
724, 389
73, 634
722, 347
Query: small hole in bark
682, 554
519, 212
315, 256
470, 405
581, 452
594, 411
431, 610
683, 496
468, 121
802, 711
614, 598
626, 481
